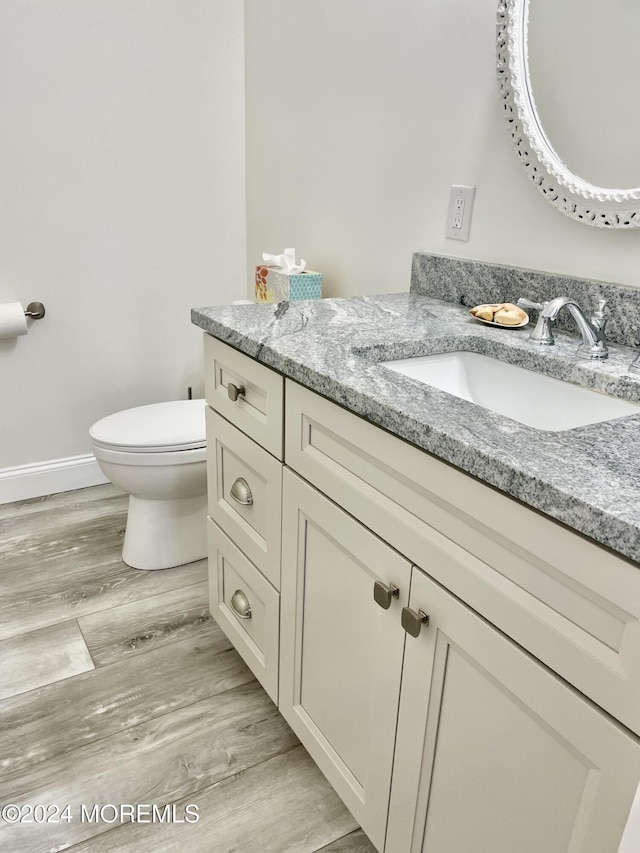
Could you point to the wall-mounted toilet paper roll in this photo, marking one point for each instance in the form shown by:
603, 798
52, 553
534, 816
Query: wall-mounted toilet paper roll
12, 320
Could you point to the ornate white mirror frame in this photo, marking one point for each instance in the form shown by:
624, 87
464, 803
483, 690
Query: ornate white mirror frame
600, 207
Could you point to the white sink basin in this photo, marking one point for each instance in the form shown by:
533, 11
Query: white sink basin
531, 398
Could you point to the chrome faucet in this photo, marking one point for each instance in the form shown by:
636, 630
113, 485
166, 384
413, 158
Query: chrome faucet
593, 343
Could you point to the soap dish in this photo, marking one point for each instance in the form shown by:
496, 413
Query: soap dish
500, 325
508, 306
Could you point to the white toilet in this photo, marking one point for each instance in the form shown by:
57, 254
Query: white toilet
157, 454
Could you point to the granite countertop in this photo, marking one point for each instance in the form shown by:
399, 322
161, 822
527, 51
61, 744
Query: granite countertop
587, 478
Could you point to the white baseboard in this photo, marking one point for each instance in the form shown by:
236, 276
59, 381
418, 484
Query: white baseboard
47, 478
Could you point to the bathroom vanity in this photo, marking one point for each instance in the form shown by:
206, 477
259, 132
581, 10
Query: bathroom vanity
442, 602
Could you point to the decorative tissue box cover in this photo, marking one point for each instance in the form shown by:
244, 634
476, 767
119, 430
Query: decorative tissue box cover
277, 286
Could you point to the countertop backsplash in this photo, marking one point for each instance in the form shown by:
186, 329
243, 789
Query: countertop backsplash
470, 283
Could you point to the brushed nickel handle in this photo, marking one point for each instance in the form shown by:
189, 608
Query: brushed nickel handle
383, 594
412, 622
235, 391
241, 493
240, 605
35, 310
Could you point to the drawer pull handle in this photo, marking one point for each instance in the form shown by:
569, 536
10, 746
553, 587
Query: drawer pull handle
240, 605
241, 493
412, 622
235, 391
383, 594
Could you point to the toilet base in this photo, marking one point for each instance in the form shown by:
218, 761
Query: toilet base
162, 534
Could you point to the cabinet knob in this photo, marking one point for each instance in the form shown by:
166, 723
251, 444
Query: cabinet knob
412, 622
240, 605
235, 391
241, 493
383, 594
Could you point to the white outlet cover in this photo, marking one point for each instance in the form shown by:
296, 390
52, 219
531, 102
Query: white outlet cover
457, 227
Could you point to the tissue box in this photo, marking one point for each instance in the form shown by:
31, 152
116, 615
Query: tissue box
277, 286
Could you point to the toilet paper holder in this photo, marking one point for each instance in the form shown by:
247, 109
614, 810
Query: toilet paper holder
35, 310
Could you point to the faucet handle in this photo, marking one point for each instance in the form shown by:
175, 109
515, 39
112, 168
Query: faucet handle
528, 305
599, 312
542, 333
599, 318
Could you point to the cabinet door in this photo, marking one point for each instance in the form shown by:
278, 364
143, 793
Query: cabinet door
495, 752
340, 652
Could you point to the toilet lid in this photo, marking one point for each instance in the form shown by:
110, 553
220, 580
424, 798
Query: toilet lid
179, 425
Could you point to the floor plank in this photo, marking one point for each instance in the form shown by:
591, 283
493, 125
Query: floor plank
355, 842
42, 657
59, 597
63, 716
75, 546
51, 520
280, 806
123, 631
160, 761
44, 505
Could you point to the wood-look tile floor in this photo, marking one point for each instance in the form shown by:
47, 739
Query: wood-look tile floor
118, 690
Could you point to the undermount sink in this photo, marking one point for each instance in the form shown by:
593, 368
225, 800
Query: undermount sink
531, 398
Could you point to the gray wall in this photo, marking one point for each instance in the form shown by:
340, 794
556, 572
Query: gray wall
362, 113
121, 205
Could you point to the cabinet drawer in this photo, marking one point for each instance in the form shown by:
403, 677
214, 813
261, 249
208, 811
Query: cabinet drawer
234, 584
257, 411
244, 486
572, 603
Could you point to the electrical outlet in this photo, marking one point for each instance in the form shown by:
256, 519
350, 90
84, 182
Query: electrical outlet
459, 213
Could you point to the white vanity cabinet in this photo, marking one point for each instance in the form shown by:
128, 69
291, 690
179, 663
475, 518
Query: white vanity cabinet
493, 752
510, 723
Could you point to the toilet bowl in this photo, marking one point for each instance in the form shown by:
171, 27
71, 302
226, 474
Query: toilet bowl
157, 454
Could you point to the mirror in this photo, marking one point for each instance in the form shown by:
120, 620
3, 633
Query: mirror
571, 119
585, 89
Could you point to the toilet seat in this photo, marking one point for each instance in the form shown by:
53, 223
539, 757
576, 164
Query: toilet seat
120, 456
160, 428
